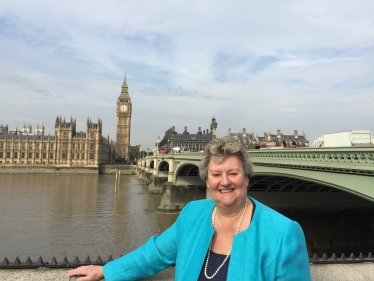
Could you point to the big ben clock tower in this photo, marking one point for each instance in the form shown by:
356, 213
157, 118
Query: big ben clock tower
124, 109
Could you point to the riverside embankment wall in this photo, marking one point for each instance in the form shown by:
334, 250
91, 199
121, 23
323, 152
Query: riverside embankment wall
49, 169
326, 272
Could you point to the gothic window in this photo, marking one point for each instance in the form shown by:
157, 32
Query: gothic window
37, 155
83, 146
16, 145
8, 155
82, 155
91, 156
50, 155
73, 145
15, 155
1, 145
92, 146
23, 145
37, 146
79, 146
8, 145
44, 155
30, 145
30, 155
1, 155
23, 155
51, 145
63, 155
44, 146
64, 145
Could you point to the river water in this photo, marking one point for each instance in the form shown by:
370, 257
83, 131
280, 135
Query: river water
76, 215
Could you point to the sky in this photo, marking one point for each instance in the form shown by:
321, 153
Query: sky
260, 65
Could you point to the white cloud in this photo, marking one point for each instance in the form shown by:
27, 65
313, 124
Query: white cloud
260, 65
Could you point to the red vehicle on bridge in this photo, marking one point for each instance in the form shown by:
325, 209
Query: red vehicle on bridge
165, 150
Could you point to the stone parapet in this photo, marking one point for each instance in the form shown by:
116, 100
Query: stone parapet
326, 272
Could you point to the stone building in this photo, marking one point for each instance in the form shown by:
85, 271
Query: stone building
244, 137
186, 141
275, 140
124, 111
270, 140
66, 147
69, 147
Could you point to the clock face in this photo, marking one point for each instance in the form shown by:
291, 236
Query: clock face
123, 108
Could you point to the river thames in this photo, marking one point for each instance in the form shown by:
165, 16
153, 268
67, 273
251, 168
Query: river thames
76, 215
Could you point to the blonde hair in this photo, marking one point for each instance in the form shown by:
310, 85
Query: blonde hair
221, 148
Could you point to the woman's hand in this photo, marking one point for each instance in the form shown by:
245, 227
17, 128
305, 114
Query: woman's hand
88, 273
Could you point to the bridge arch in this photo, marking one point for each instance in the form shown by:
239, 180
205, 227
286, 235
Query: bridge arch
188, 174
163, 168
350, 183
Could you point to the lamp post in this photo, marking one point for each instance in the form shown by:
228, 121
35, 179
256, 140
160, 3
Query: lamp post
157, 143
213, 127
171, 144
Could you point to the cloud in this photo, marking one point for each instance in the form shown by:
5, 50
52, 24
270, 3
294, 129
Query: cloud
255, 64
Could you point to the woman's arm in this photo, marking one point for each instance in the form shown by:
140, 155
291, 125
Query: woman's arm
158, 253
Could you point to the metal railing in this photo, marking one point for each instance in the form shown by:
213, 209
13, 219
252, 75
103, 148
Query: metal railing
342, 259
40, 263
29, 264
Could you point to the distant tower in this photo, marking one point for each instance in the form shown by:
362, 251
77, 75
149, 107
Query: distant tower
124, 110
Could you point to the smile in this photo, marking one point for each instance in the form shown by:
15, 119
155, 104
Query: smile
226, 190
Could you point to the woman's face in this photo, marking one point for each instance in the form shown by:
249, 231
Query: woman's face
227, 181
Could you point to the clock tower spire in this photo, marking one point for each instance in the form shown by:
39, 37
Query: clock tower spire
124, 110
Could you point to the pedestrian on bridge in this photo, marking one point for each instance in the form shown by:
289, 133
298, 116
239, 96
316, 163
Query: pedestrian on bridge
230, 236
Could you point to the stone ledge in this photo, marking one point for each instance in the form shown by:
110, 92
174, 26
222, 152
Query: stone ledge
62, 274
329, 272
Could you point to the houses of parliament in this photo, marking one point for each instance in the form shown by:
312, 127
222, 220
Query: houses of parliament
69, 147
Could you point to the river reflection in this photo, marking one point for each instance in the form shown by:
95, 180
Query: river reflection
76, 215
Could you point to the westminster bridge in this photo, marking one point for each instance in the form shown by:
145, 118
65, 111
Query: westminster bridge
317, 176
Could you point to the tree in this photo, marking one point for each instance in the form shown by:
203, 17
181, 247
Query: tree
134, 152
120, 160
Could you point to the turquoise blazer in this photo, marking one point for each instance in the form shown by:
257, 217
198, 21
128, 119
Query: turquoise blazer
271, 248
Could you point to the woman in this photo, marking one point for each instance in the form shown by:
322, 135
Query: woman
228, 237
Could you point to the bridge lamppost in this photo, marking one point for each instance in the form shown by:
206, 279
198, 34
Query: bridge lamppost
157, 144
171, 144
213, 127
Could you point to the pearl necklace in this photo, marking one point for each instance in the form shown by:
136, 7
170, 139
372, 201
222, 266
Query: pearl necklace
210, 245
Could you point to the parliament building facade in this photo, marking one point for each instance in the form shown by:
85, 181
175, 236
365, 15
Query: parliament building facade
69, 147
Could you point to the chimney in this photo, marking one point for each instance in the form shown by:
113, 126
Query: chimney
199, 131
295, 133
229, 133
244, 132
278, 132
265, 135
